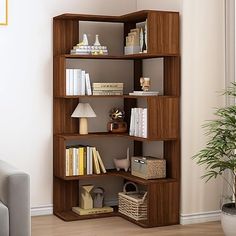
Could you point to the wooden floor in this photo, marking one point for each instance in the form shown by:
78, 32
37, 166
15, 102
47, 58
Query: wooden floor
116, 226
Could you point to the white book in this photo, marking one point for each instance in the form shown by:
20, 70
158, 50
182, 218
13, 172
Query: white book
131, 127
140, 122
88, 84
144, 133
75, 161
79, 74
143, 93
87, 160
76, 82
67, 81
82, 92
71, 82
91, 160
136, 120
67, 162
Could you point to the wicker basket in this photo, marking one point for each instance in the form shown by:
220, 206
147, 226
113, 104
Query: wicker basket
133, 204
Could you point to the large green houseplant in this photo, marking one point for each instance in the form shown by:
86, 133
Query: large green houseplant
219, 154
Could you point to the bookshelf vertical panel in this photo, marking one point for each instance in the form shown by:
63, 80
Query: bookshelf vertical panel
63, 122
163, 118
66, 35
172, 156
172, 76
65, 195
163, 204
138, 72
59, 81
163, 32
59, 159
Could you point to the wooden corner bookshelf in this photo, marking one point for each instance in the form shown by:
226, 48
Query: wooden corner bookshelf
163, 114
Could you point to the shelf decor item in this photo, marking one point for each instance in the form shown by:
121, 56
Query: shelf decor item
133, 204
98, 198
145, 83
83, 111
83, 48
86, 200
148, 167
3, 12
123, 163
117, 123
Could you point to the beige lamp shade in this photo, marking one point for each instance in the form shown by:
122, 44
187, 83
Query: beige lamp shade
83, 110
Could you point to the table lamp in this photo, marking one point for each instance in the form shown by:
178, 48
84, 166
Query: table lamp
83, 111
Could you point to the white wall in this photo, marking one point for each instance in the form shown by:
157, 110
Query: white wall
26, 84
203, 66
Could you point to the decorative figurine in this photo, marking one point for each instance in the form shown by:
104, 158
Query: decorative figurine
99, 197
86, 200
123, 163
145, 83
96, 43
117, 123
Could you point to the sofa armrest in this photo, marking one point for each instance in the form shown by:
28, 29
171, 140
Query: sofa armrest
15, 194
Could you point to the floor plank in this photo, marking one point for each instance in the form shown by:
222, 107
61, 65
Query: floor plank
116, 226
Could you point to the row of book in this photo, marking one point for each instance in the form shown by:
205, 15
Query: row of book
138, 122
83, 160
108, 88
77, 82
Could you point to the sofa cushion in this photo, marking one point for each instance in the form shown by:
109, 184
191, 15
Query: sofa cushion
4, 220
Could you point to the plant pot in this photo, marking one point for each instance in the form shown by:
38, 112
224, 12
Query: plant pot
228, 219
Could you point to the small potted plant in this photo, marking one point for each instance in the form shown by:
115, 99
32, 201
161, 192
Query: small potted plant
219, 156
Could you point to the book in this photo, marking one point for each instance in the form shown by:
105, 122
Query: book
118, 92
82, 85
131, 129
96, 167
91, 211
71, 82
75, 161
107, 89
81, 160
101, 163
144, 132
75, 81
68, 82
108, 85
143, 93
88, 84
67, 162
70, 162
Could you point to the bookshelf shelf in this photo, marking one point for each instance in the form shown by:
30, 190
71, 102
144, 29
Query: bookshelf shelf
77, 136
122, 174
119, 57
163, 114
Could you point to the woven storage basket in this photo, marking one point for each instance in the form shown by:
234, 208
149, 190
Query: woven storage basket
133, 204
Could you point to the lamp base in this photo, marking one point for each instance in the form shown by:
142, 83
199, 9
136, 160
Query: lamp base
83, 126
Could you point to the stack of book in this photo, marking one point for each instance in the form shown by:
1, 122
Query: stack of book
77, 82
144, 93
83, 160
89, 50
108, 88
138, 122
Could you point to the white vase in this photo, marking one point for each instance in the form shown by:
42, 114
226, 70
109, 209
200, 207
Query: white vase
96, 43
228, 221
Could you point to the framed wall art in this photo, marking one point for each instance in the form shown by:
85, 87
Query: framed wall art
3, 12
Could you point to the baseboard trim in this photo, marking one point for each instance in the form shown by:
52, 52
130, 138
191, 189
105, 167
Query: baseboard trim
201, 217
185, 219
42, 210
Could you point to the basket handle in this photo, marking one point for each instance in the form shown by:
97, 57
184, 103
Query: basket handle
131, 192
144, 197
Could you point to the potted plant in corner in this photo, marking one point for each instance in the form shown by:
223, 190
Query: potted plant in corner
219, 156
